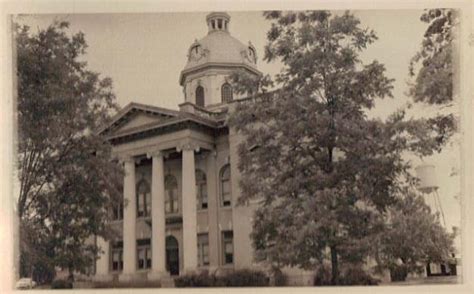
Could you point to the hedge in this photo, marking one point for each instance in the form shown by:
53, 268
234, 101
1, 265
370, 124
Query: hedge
238, 278
61, 284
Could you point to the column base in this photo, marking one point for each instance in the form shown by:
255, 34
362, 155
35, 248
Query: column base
126, 277
157, 275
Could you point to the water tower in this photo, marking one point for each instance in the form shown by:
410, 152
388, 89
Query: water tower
428, 185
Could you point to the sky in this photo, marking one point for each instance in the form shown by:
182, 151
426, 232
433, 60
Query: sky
144, 54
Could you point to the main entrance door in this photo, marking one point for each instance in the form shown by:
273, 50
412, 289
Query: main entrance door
172, 255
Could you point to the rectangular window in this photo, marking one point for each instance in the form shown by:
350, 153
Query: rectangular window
141, 205
226, 193
204, 199
117, 212
202, 196
167, 206
144, 254
117, 256
171, 201
203, 249
148, 204
228, 247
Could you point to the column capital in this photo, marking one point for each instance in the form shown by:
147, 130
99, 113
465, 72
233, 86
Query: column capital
125, 158
154, 153
187, 145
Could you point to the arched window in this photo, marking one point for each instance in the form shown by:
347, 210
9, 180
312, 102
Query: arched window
200, 96
171, 194
225, 190
226, 92
143, 199
201, 189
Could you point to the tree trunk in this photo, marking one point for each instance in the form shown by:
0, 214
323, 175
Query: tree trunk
334, 266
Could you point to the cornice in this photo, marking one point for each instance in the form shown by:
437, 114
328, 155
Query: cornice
208, 65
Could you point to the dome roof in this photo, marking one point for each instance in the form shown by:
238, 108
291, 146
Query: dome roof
219, 48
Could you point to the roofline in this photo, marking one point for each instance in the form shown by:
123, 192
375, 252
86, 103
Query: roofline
185, 72
139, 106
158, 125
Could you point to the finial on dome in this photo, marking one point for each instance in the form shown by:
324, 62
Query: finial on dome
218, 22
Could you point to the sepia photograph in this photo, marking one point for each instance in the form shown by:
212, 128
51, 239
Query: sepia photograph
239, 148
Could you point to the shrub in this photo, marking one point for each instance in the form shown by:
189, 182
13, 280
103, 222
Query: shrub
398, 273
61, 284
247, 278
350, 276
280, 278
195, 280
355, 275
239, 278
322, 276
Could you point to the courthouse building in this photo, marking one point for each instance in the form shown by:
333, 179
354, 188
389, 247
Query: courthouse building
181, 178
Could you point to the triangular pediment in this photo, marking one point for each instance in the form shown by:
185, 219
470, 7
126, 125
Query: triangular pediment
134, 116
137, 120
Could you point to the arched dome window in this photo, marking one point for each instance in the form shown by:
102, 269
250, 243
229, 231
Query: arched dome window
226, 93
200, 96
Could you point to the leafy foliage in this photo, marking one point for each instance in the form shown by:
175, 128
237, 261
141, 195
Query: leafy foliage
326, 172
434, 80
67, 178
413, 237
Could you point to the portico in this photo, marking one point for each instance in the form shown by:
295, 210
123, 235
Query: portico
187, 150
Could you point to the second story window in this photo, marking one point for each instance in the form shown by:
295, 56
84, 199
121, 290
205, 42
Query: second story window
226, 93
200, 96
201, 189
143, 199
117, 211
171, 194
225, 188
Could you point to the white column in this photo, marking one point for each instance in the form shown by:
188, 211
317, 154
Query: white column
104, 258
129, 221
189, 210
158, 217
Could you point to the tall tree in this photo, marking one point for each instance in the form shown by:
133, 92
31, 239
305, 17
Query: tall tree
68, 181
413, 237
326, 172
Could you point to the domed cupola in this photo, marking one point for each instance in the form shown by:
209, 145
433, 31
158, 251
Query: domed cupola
211, 60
